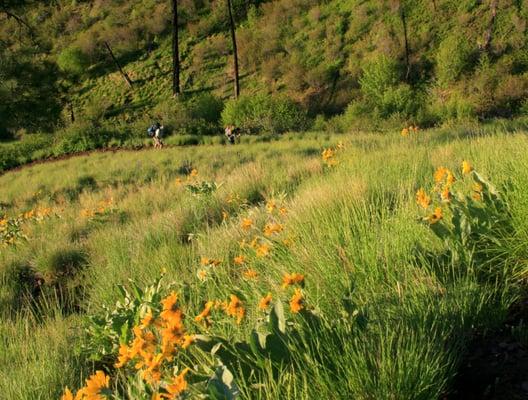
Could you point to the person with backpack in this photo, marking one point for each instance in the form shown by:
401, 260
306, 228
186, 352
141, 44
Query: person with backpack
231, 133
155, 131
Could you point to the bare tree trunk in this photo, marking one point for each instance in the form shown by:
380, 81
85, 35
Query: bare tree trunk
72, 115
175, 51
123, 73
489, 33
20, 21
235, 51
406, 40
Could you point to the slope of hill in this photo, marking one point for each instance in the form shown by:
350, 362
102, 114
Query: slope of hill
384, 308
420, 61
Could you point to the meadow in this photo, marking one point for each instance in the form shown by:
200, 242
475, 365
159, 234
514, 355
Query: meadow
307, 267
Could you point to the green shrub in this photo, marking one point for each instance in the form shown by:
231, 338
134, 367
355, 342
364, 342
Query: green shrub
72, 61
206, 107
382, 90
20, 152
81, 136
453, 58
379, 75
196, 116
264, 112
456, 107
320, 123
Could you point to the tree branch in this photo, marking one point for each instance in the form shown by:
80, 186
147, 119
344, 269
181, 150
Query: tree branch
18, 19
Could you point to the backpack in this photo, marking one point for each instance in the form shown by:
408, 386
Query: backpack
151, 131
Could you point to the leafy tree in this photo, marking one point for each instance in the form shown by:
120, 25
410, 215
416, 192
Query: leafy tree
28, 93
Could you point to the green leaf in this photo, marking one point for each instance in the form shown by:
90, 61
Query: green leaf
277, 319
257, 341
222, 385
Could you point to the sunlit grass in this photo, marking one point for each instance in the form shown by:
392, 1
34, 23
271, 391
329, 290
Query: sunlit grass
350, 224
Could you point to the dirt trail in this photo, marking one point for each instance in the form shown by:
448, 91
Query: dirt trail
79, 154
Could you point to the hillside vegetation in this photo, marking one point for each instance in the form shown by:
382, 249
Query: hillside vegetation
380, 295
374, 63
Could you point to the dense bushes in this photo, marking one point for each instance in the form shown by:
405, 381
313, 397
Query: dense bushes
383, 90
263, 112
196, 116
454, 56
18, 153
72, 61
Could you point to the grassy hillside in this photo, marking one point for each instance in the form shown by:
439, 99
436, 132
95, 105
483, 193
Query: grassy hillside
388, 308
376, 62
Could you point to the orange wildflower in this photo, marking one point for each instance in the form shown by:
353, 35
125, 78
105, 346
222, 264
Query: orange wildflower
152, 374
445, 194
271, 206
67, 394
173, 331
246, 224
143, 343
124, 356
205, 261
177, 386
287, 242
422, 199
439, 174
250, 274
205, 313
265, 302
187, 341
170, 308
291, 279
202, 274
435, 216
239, 260
253, 244
272, 228
450, 178
466, 167
296, 302
95, 385
327, 154
263, 250
146, 321
235, 308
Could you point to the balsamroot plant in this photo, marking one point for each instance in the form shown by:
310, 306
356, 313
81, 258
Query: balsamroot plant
470, 216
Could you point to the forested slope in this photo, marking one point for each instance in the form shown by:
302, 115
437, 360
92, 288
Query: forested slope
403, 61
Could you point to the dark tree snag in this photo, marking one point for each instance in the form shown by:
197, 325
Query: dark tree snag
123, 73
486, 46
403, 18
235, 51
20, 21
175, 51
72, 114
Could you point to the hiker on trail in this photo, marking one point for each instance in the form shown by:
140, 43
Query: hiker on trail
231, 133
156, 133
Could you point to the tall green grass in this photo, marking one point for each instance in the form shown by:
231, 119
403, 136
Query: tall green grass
352, 226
